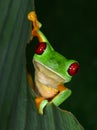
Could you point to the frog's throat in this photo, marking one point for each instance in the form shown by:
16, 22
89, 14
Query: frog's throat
46, 80
45, 91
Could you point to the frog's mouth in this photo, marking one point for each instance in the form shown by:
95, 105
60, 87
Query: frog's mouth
46, 80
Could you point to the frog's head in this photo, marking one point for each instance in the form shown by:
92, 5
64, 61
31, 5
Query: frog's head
53, 64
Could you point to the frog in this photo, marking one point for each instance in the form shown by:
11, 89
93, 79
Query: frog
52, 70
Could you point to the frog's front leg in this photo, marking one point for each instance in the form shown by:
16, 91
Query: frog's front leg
41, 102
63, 94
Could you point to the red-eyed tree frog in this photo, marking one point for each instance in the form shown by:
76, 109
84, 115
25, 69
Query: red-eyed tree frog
52, 70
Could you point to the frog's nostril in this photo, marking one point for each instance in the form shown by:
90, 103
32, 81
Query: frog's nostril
73, 68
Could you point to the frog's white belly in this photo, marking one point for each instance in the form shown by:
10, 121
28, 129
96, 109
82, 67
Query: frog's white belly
46, 81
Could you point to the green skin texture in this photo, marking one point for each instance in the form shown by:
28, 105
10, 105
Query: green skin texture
57, 63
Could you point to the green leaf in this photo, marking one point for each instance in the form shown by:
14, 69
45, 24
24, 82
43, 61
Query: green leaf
17, 106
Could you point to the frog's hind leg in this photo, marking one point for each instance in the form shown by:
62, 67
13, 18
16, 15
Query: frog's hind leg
63, 94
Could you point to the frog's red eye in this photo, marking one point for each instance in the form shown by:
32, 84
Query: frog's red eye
40, 48
73, 69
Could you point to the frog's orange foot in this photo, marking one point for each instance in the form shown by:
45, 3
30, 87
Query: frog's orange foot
40, 104
61, 87
33, 17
